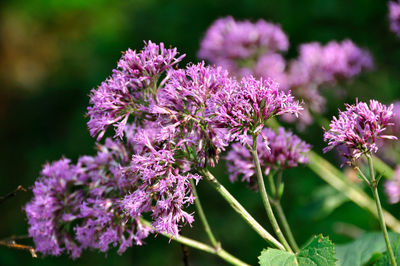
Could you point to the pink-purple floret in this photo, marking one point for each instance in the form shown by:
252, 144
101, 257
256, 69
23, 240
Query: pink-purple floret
246, 48
358, 128
276, 150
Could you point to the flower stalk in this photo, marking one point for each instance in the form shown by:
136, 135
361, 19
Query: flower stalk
374, 187
203, 218
201, 246
276, 203
241, 210
264, 196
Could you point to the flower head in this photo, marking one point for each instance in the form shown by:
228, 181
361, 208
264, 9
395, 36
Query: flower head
76, 206
276, 150
319, 66
395, 128
236, 45
187, 106
358, 128
248, 106
130, 88
52, 204
161, 188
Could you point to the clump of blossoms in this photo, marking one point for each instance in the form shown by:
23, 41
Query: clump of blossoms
358, 129
394, 16
78, 206
187, 104
130, 88
245, 108
158, 185
238, 45
276, 150
389, 151
395, 127
356, 132
319, 66
170, 129
392, 187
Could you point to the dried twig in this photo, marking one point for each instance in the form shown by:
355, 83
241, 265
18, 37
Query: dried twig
185, 252
12, 244
12, 194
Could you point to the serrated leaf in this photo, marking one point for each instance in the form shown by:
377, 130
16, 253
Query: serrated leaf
272, 257
320, 251
361, 250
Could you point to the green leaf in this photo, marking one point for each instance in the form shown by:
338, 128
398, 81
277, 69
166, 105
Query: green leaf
362, 250
320, 251
272, 257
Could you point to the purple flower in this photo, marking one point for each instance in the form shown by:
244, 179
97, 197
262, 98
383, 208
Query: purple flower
236, 45
245, 108
335, 61
276, 151
132, 85
160, 189
77, 206
394, 17
321, 66
395, 128
392, 187
52, 206
358, 128
187, 107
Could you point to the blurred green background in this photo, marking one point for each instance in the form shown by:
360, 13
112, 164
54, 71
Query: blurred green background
53, 52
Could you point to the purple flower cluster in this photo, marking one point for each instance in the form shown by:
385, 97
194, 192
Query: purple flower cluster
187, 105
394, 17
276, 150
77, 206
392, 187
319, 66
179, 125
357, 129
395, 121
246, 48
161, 187
237, 45
246, 108
130, 88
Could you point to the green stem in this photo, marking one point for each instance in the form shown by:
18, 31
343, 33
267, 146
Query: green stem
241, 210
201, 246
285, 225
276, 203
272, 184
264, 196
203, 217
374, 188
334, 177
362, 175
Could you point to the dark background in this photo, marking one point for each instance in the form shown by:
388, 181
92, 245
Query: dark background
53, 52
